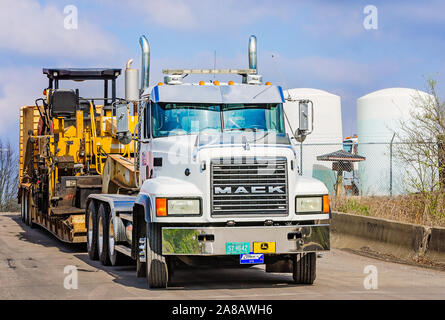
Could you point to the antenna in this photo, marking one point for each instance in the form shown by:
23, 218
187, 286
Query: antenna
281, 75
214, 65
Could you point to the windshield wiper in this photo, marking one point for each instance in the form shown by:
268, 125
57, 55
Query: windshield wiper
242, 129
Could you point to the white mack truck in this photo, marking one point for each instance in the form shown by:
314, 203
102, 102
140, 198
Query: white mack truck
216, 179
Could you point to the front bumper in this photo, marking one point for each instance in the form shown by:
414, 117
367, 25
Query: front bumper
213, 240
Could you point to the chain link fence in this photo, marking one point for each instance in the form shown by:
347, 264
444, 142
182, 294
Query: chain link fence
365, 169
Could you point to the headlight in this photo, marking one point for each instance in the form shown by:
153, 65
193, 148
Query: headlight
167, 207
183, 206
308, 204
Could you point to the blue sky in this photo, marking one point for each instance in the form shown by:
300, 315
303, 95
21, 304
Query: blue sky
315, 44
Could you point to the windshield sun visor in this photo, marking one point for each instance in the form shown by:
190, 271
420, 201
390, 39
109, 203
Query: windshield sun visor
242, 93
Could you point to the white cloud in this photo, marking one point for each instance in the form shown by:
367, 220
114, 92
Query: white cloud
206, 15
329, 71
30, 28
416, 11
334, 19
169, 13
18, 87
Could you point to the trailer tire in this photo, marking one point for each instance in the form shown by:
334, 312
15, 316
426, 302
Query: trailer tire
91, 222
102, 235
22, 206
26, 209
29, 211
304, 268
157, 267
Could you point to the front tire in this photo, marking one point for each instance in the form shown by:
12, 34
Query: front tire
157, 268
92, 231
304, 269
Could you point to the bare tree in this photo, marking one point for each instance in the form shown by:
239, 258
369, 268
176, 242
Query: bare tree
9, 175
421, 149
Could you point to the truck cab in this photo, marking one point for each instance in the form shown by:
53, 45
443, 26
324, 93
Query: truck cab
219, 177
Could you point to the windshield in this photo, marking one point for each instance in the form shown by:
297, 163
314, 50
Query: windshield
255, 117
181, 118
188, 118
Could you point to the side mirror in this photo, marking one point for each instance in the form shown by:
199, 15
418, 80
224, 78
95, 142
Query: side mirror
303, 120
123, 134
303, 110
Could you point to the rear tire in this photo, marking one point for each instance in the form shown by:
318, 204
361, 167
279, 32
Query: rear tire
92, 231
157, 267
102, 235
304, 268
116, 258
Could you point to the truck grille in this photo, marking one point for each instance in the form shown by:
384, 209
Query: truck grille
242, 186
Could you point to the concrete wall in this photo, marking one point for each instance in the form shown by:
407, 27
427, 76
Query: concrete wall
402, 240
436, 245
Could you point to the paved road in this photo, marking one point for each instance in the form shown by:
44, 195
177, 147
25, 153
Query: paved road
32, 266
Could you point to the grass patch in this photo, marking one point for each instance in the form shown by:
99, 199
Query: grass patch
407, 208
353, 206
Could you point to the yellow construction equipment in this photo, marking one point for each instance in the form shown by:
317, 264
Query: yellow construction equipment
68, 147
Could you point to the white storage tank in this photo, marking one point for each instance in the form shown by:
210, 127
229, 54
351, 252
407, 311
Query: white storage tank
327, 135
378, 116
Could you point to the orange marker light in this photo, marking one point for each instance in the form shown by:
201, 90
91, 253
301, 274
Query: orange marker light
268, 83
231, 83
201, 83
161, 207
160, 83
216, 83
326, 204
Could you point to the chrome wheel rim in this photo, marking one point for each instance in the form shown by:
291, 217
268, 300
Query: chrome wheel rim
90, 230
100, 235
111, 237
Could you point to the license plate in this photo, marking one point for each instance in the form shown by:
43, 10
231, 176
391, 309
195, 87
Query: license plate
237, 247
264, 247
252, 258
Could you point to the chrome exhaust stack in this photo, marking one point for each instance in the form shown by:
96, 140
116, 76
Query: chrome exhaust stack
252, 53
145, 66
253, 77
